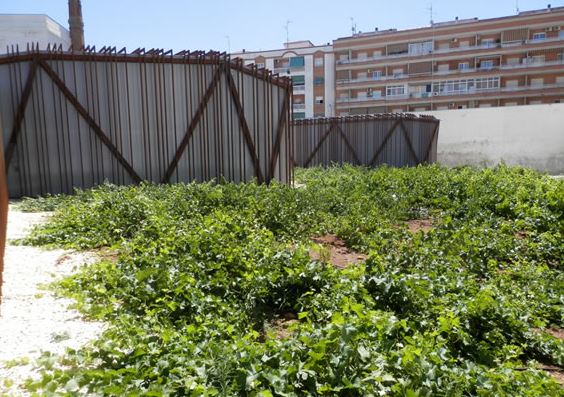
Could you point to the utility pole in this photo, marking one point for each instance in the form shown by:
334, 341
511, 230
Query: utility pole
76, 25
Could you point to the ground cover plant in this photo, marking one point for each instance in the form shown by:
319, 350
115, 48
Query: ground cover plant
224, 289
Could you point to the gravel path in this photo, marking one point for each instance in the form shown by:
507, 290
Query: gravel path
32, 320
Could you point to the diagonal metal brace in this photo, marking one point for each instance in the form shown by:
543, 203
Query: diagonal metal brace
88, 118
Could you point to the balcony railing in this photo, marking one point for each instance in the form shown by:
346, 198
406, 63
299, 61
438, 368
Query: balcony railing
471, 91
298, 107
449, 50
298, 89
288, 69
527, 64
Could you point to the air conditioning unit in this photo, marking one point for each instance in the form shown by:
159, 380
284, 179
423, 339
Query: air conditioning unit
556, 28
549, 29
435, 94
455, 40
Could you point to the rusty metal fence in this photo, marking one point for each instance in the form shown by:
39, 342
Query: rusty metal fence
395, 139
3, 216
77, 119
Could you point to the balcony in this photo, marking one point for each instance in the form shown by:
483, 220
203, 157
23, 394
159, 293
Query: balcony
471, 91
298, 107
525, 64
287, 69
298, 89
449, 50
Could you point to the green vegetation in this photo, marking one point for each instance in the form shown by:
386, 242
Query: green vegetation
214, 292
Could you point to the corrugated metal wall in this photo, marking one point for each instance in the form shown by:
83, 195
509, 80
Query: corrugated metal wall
79, 119
395, 139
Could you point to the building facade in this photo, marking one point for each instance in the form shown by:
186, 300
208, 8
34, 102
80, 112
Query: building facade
312, 69
514, 60
19, 30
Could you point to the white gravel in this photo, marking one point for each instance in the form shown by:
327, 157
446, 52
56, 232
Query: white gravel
33, 320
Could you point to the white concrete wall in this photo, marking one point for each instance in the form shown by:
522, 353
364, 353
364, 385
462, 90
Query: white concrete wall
23, 29
329, 63
309, 97
530, 136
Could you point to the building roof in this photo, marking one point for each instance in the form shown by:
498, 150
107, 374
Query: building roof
20, 17
302, 46
452, 23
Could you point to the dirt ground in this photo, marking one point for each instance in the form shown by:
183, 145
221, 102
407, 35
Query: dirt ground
335, 252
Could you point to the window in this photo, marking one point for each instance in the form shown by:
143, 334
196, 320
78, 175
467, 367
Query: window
423, 48
343, 57
260, 65
486, 65
443, 67
318, 62
398, 72
487, 83
362, 56
513, 61
464, 66
537, 59
377, 75
361, 76
298, 115
512, 83
395, 90
537, 82
377, 54
298, 80
488, 43
318, 100
453, 86
319, 115
296, 62
318, 81
464, 44
560, 80
444, 46
539, 36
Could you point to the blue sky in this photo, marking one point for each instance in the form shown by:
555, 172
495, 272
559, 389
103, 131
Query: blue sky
253, 25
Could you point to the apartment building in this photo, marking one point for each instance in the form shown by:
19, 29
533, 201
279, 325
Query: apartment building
21, 29
513, 60
312, 69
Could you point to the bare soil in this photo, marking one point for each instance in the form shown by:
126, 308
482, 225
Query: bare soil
420, 225
338, 254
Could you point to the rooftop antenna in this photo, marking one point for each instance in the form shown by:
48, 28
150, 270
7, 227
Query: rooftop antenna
430, 9
228, 44
353, 26
517, 6
287, 27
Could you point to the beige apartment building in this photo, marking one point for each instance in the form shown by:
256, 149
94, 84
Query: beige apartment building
312, 69
514, 60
